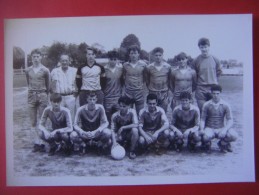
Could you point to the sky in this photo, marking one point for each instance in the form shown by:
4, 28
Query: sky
230, 35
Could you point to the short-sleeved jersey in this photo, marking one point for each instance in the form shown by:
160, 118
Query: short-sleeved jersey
207, 69
60, 119
118, 120
38, 81
182, 81
157, 77
63, 81
152, 121
185, 119
134, 75
90, 120
113, 86
214, 114
88, 77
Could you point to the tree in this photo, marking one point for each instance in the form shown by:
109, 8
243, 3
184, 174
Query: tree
128, 41
18, 58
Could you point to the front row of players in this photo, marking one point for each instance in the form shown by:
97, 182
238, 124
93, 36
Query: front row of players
152, 131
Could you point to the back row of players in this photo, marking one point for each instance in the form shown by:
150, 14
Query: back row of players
101, 90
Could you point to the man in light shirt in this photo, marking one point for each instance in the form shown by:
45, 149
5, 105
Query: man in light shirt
63, 82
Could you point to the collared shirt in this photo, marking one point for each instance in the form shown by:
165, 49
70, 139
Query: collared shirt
63, 81
182, 80
134, 75
214, 114
88, 78
60, 119
152, 121
185, 119
38, 81
118, 120
207, 69
157, 77
91, 120
113, 85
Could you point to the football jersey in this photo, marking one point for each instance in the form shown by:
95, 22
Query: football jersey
134, 75
158, 77
90, 120
118, 120
60, 119
181, 81
113, 85
152, 121
185, 119
207, 69
214, 114
38, 81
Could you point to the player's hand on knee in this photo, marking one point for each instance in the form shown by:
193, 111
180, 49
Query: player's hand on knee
148, 139
120, 131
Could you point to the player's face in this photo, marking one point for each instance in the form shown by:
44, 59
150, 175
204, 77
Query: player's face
215, 96
204, 49
134, 55
158, 57
36, 58
55, 105
185, 103
64, 60
91, 100
90, 56
113, 61
182, 61
123, 108
151, 105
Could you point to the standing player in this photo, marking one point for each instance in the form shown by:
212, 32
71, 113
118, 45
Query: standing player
153, 124
63, 82
113, 86
61, 125
124, 125
182, 79
214, 113
185, 123
91, 125
134, 75
38, 78
157, 78
208, 70
89, 78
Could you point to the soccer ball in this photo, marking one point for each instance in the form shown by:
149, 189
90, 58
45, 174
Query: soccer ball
118, 152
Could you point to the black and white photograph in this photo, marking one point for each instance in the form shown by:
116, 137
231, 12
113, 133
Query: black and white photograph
129, 100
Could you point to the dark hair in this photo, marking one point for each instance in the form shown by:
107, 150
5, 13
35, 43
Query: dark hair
134, 48
216, 88
92, 94
91, 49
55, 97
152, 97
125, 100
36, 51
113, 54
157, 49
185, 95
203, 41
181, 56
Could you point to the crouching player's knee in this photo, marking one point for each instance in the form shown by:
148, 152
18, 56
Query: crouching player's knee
141, 141
231, 135
74, 137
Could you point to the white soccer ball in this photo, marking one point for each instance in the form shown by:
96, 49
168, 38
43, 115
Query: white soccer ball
118, 152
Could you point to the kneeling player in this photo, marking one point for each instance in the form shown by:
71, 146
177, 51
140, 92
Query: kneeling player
90, 126
61, 125
185, 123
214, 113
124, 125
153, 124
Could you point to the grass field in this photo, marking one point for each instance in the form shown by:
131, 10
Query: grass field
27, 163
